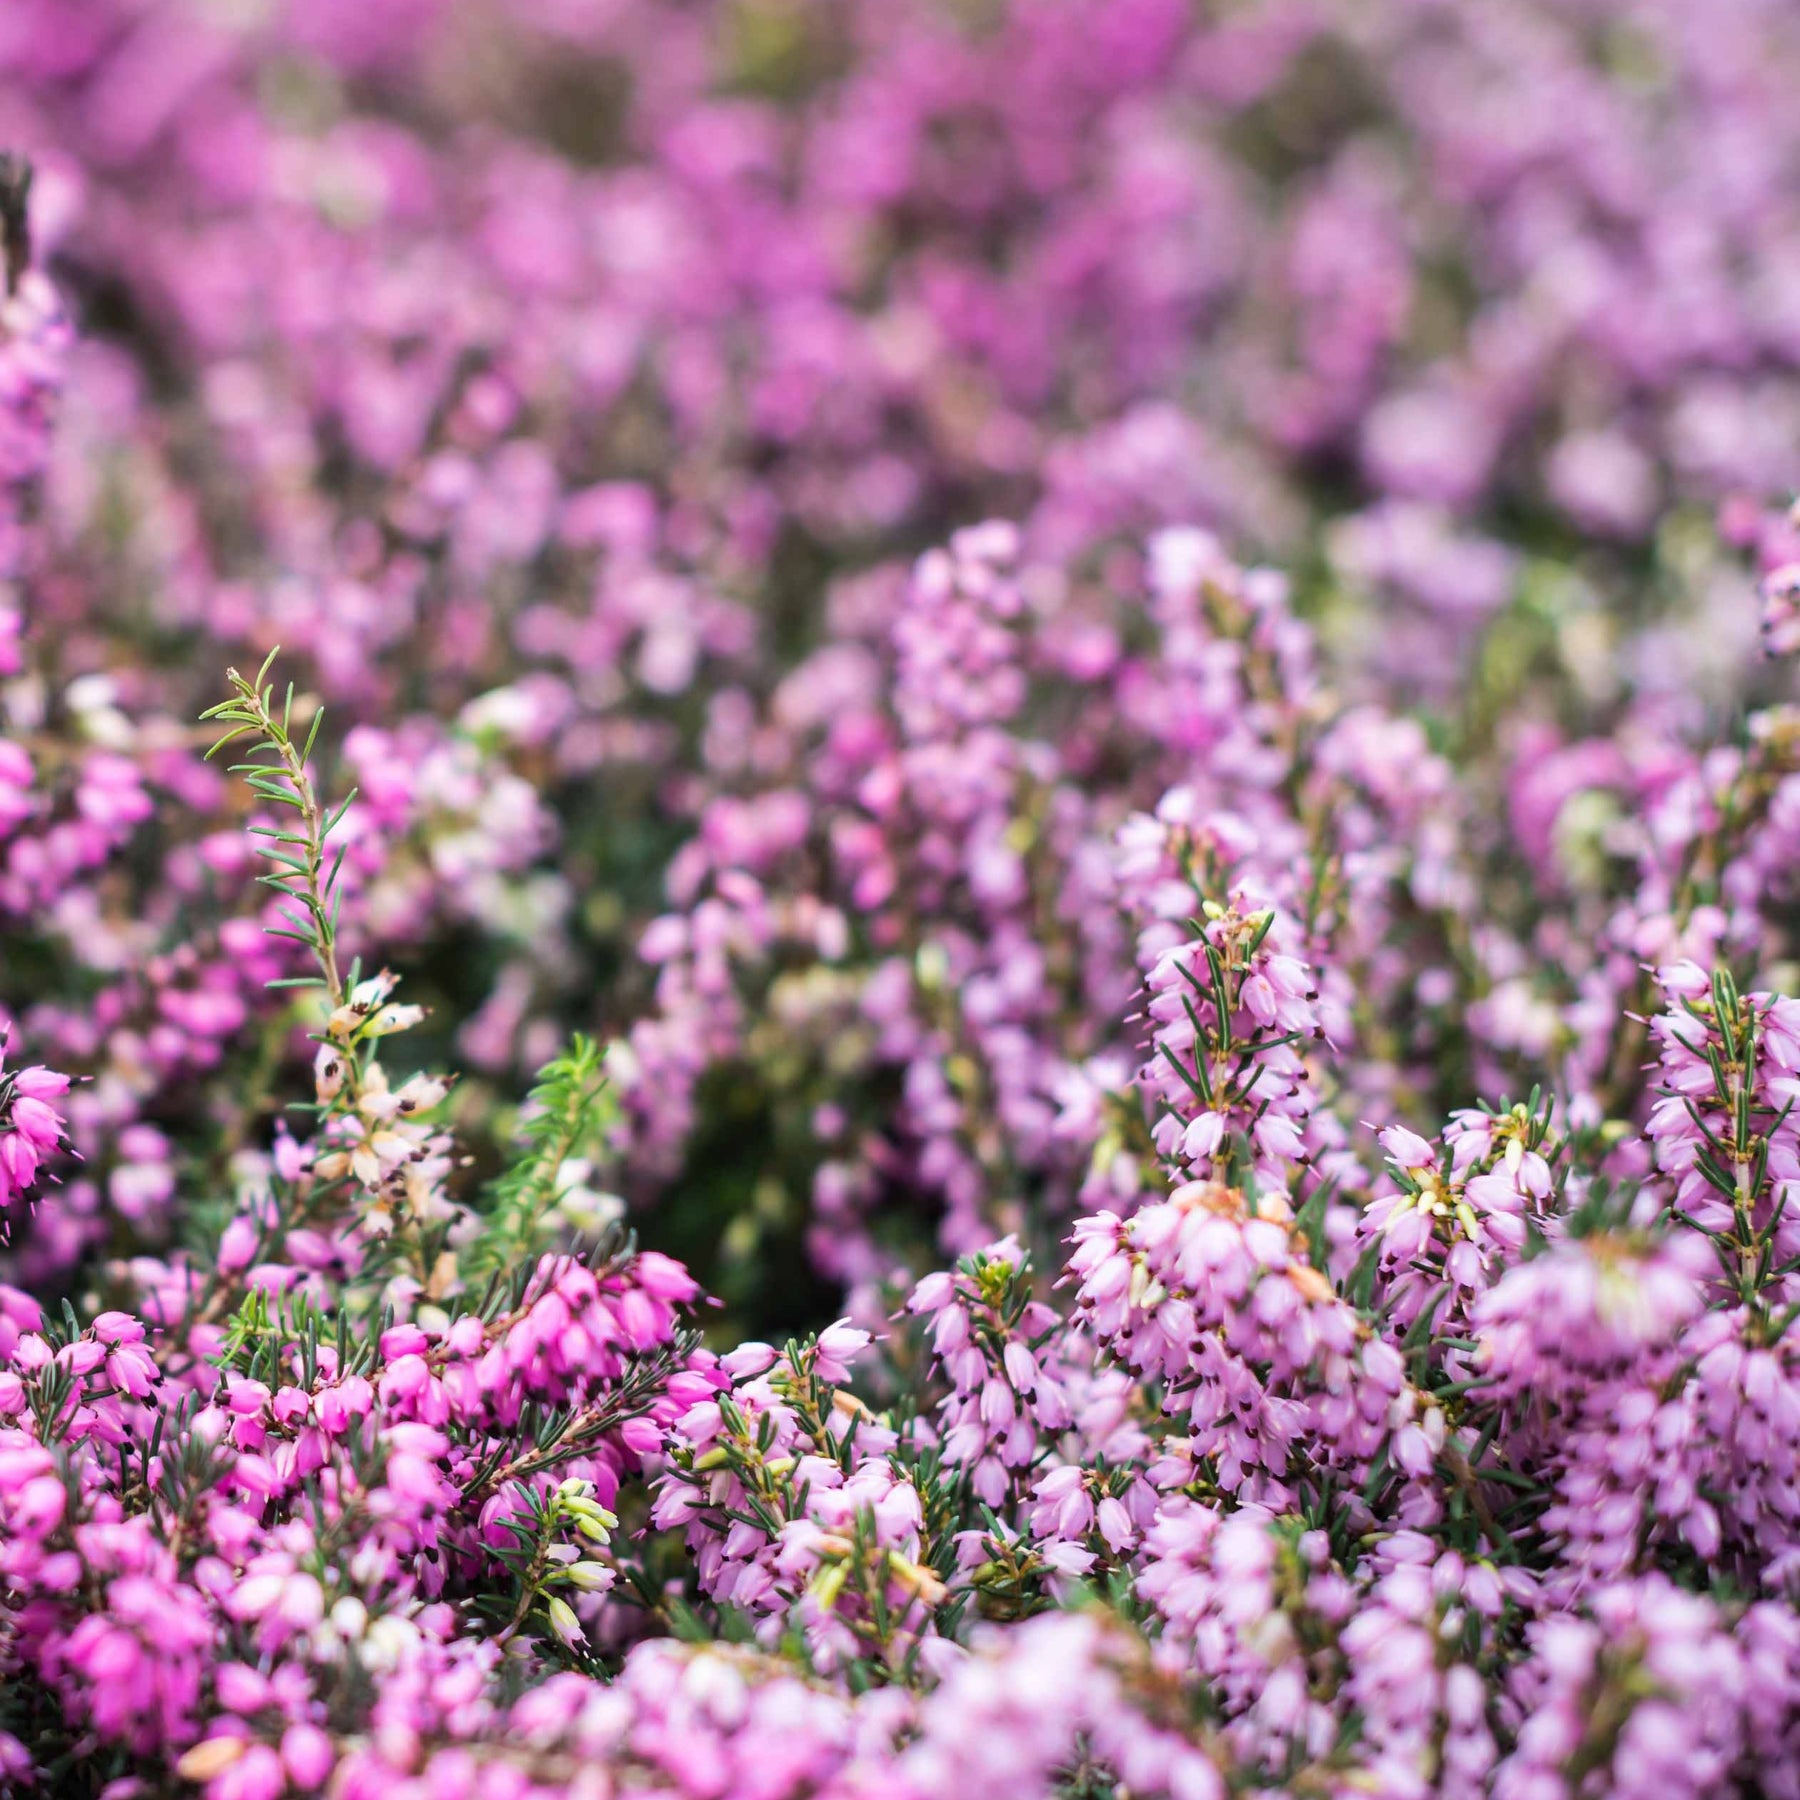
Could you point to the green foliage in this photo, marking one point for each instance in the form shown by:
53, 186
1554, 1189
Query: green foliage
277, 773
566, 1123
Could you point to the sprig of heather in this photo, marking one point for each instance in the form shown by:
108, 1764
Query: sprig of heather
1723, 1130
797, 1510
1229, 1015
306, 870
563, 1135
372, 1144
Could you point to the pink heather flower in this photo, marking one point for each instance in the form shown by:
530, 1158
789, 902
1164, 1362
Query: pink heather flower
32, 1129
574, 389
838, 1346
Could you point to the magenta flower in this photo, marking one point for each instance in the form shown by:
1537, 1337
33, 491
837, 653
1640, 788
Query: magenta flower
32, 1130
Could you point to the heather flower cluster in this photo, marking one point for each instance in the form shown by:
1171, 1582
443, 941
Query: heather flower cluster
899, 898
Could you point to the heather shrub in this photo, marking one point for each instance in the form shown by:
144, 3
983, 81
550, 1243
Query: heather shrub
899, 899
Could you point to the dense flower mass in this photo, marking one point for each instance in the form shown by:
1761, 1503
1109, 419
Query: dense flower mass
996, 994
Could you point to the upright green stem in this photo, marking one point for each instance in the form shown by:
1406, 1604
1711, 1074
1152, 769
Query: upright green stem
302, 872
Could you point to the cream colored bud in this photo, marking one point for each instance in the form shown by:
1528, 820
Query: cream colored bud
589, 1577
564, 1622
